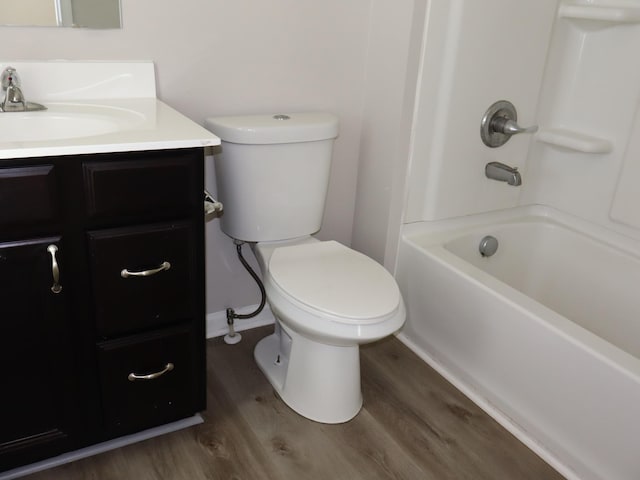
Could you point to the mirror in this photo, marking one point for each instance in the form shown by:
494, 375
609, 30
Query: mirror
61, 13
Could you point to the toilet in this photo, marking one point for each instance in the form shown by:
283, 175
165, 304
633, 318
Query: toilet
272, 176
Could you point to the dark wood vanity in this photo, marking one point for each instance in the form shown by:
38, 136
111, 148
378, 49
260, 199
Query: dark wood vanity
102, 298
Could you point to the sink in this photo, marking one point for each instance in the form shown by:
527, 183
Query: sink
92, 108
65, 121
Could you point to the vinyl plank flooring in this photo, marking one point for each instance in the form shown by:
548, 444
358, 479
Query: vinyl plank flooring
413, 425
438, 421
370, 448
297, 450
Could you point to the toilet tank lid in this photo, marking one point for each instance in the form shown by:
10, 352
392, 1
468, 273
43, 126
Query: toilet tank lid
274, 128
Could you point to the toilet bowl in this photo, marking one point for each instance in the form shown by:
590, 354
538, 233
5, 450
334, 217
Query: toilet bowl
327, 299
272, 175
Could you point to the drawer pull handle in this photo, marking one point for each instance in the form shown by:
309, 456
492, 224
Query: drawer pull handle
56, 287
152, 376
125, 273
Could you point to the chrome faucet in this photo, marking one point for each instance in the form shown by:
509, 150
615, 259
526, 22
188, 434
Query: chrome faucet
503, 173
14, 98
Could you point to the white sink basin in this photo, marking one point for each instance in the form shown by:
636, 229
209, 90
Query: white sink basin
64, 121
93, 107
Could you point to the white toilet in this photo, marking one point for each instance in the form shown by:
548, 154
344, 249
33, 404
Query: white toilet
272, 177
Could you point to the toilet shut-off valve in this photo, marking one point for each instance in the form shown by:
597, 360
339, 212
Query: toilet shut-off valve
211, 205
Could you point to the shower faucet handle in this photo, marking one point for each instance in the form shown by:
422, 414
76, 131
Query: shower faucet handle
499, 123
508, 126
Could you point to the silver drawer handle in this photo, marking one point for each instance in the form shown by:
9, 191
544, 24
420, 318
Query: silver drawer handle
125, 273
56, 287
152, 376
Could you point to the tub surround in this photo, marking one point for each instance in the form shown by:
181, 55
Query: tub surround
624, 208
473, 57
584, 161
568, 72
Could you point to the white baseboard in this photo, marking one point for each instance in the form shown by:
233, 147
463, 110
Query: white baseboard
217, 321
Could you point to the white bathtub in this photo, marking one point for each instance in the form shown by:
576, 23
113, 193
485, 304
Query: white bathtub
544, 335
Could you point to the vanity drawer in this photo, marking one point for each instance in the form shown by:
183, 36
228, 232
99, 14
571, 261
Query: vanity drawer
156, 186
28, 197
142, 277
167, 393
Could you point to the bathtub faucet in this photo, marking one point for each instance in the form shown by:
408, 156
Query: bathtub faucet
503, 173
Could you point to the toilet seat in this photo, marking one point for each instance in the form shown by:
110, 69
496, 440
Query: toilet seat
329, 278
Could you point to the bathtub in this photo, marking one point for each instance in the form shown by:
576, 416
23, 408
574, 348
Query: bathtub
544, 335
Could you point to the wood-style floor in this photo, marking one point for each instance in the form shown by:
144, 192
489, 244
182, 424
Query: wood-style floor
414, 425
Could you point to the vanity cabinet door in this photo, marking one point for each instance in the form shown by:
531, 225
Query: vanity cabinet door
142, 277
28, 199
34, 351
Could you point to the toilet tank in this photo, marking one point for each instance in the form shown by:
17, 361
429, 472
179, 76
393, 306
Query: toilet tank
272, 173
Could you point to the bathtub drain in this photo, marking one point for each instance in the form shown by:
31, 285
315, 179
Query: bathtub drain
488, 246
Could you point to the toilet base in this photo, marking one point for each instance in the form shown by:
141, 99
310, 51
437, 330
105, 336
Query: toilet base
318, 381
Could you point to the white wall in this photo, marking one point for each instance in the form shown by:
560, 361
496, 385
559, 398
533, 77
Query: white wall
250, 56
389, 95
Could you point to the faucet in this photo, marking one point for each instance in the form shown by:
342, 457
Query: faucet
503, 173
14, 98
499, 123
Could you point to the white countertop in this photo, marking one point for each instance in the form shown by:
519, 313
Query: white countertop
93, 107
147, 124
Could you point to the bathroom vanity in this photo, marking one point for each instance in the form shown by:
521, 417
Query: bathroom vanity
102, 288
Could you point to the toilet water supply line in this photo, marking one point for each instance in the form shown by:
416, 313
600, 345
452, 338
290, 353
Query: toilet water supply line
233, 337
212, 206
